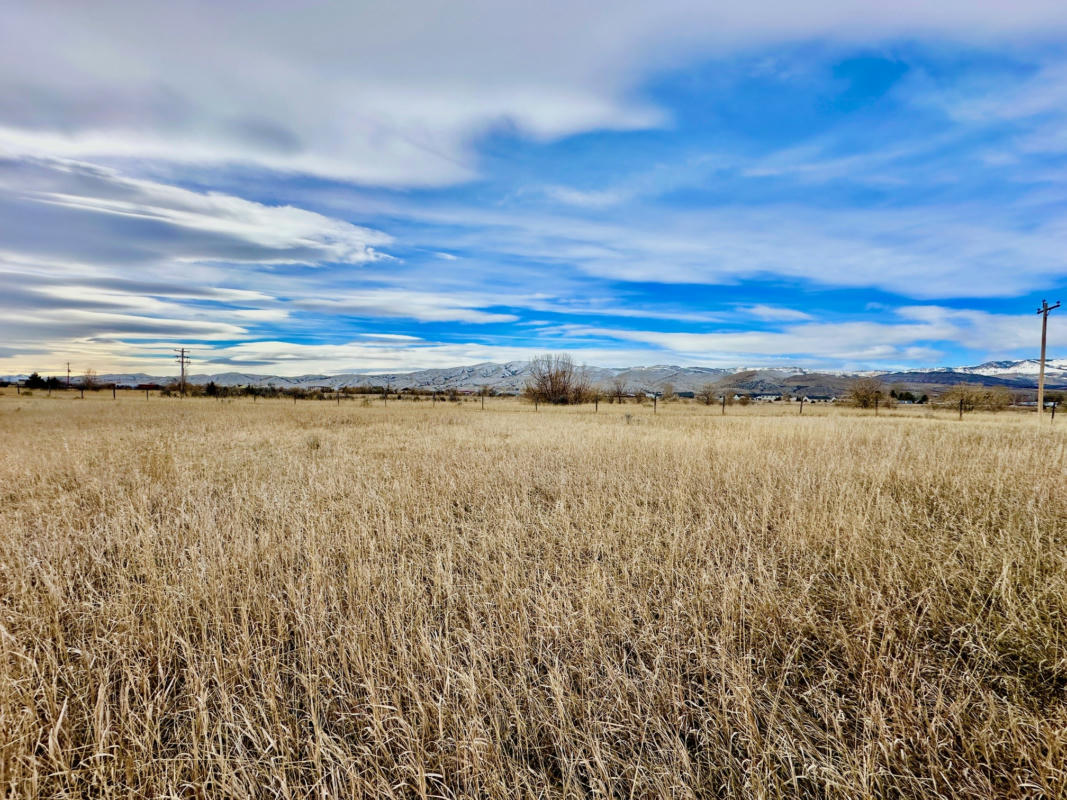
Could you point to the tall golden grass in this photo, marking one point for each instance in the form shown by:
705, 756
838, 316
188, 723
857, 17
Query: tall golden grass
228, 599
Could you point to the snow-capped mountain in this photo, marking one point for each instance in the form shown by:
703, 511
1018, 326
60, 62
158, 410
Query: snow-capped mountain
511, 377
1054, 368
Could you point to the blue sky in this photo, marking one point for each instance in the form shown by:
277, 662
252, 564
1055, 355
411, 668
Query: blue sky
349, 187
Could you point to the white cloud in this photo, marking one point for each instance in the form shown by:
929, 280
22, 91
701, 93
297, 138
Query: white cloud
910, 336
391, 337
914, 335
924, 252
423, 306
594, 198
773, 313
287, 358
162, 221
394, 94
103, 324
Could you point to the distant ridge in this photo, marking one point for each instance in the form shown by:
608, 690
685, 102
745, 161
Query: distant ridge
511, 376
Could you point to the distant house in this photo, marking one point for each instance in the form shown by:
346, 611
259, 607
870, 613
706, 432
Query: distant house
819, 398
687, 395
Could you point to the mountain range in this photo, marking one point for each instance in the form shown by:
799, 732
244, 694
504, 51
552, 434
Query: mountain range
511, 377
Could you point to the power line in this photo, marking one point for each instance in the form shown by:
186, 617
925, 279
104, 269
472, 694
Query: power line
1043, 311
182, 359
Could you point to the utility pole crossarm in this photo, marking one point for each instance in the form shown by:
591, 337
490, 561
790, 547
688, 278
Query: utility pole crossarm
183, 359
1043, 311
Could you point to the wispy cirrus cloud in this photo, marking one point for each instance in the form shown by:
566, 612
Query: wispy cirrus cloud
774, 313
411, 304
923, 252
97, 214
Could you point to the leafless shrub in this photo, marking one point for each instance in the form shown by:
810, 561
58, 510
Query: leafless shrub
555, 379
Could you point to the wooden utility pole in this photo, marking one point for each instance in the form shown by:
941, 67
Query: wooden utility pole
182, 360
1043, 311
724, 404
68, 374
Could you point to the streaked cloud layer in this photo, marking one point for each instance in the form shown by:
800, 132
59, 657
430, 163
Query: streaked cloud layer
363, 186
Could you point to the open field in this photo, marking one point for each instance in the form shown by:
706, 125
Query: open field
228, 599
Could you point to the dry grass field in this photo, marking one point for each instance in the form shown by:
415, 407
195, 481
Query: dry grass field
226, 599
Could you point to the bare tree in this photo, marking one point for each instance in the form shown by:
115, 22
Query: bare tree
972, 396
667, 393
707, 394
619, 389
554, 378
866, 393
89, 380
